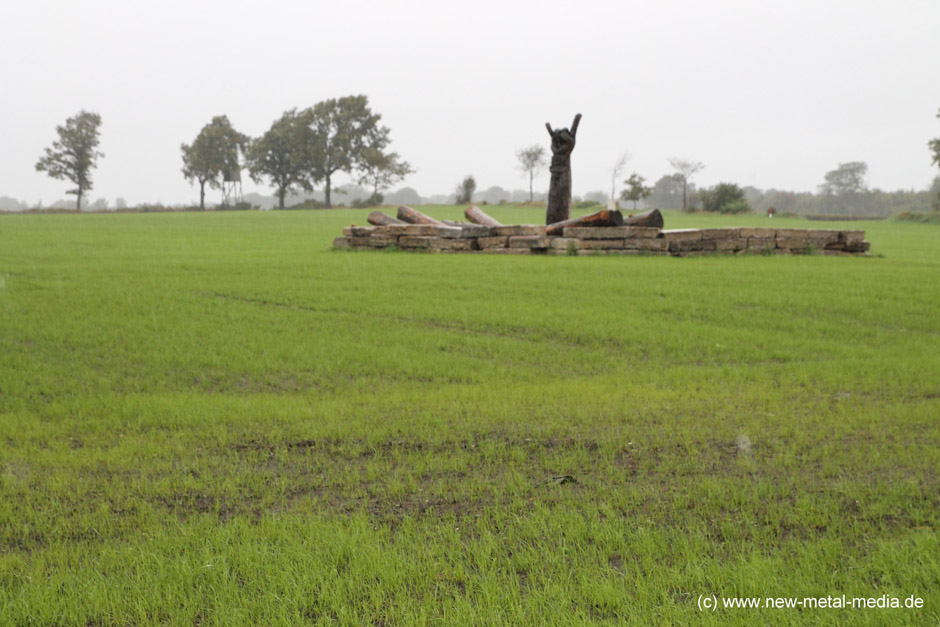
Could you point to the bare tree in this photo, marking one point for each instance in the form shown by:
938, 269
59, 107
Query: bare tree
685, 169
532, 161
616, 170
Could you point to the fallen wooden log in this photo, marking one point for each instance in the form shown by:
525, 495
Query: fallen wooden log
477, 216
648, 218
606, 217
382, 219
413, 216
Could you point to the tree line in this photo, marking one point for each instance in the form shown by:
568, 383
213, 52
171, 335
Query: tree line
307, 147
302, 148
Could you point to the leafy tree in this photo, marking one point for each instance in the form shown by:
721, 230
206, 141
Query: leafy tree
73, 156
847, 179
532, 161
685, 169
724, 198
381, 170
667, 192
465, 190
284, 154
635, 191
934, 145
213, 155
344, 127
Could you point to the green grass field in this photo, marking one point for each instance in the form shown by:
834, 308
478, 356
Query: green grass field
214, 419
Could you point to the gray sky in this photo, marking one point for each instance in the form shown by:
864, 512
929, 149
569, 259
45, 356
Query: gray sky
765, 93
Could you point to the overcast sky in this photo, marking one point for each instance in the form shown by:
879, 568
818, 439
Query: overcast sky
765, 93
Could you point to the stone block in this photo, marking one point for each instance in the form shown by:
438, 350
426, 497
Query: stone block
430, 230
603, 244
341, 242
494, 242
757, 233
731, 245
458, 244
721, 234
761, 243
358, 231
610, 232
519, 229
359, 241
562, 243
692, 245
419, 241
853, 237
382, 241
466, 231
806, 234
529, 241
793, 244
682, 235
649, 245
393, 230
824, 235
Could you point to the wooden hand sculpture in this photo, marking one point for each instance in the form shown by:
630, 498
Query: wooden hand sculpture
559, 188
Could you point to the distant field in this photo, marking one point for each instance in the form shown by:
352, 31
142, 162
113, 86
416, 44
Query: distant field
214, 419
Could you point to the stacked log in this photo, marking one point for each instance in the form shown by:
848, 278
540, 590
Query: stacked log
413, 216
477, 216
377, 218
653, 218
607, 217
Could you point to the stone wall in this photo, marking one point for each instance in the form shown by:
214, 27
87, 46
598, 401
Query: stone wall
613, 240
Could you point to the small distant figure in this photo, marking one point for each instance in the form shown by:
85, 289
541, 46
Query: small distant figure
770, 212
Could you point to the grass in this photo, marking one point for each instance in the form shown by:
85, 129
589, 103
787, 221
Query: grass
214, 419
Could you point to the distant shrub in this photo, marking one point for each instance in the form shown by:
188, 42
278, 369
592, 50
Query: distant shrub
738, 206
916, 216
724, 198
364, 203
239, 206
310, 203
587, 204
